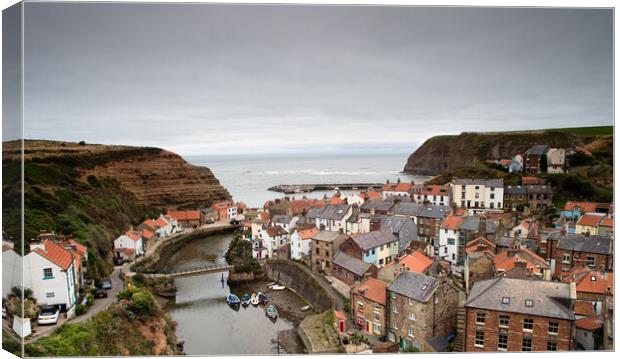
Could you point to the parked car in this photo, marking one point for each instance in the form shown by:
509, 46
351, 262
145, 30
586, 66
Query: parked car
101, 293
106, 284
48, 315
209, 221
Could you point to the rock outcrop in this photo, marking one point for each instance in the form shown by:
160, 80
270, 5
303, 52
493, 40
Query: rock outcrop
446, 153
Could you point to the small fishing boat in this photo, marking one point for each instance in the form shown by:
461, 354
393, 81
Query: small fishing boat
232, 299
245, 299
278, 287
262, 298
254, 299
271, 284
271, 312
304, 308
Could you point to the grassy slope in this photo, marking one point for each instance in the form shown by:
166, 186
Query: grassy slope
94, 211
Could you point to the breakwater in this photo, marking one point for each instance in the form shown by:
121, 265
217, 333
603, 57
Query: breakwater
304, 188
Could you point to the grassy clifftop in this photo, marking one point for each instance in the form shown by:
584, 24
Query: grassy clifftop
441, 154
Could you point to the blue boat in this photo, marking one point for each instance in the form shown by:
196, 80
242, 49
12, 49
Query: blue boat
262, 298
245, 300
232, 299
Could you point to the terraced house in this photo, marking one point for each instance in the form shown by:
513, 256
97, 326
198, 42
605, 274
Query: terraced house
576, 250
421, 308
478, 195
377, 247
506, 314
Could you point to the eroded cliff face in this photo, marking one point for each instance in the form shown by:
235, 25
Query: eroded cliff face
446, 153
157, 178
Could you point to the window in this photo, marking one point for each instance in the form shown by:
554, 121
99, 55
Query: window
410, 332
552, 346
50, 295
528, 324
566, 258
451, 241
47, 273
492, 196
504, 320
526, 345
412, 316
393, 295
505, 300
591, 260
502, 342
554, 327
480, 317
410, 301
479, 342
529, 303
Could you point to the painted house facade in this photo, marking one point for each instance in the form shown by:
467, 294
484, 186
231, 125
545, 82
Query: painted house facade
478, 194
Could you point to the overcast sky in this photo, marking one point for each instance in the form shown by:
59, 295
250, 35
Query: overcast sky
212, 79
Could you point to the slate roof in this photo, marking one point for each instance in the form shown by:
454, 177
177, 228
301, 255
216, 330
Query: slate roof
377, 205
581, 243
470, 223
515, 190
539, 189
550, 299
281, 218
420, 210
492, 182
537, 150
333, 212
351, 264
374, 239
404, 228
414, 285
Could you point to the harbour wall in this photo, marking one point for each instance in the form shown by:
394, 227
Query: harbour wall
299, 279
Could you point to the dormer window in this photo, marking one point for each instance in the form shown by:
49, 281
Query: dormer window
424, 287
529, 303
592, 279
505, 300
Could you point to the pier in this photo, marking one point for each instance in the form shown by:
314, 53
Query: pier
305, 188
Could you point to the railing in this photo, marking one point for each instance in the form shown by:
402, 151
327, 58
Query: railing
205, 267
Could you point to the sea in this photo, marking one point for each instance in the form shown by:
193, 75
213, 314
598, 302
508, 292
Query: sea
247, 177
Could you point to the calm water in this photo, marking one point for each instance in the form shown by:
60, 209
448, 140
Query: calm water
247, 177
205, 322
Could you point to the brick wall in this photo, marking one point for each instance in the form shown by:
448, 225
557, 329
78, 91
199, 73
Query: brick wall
514, 331
603, 261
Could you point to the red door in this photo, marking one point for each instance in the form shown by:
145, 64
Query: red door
341, 327
367, 326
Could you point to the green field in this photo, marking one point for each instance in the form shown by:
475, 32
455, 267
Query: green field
586, 131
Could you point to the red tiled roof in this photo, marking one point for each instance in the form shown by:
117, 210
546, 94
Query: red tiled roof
415, 262
241, 205
583, 206
128, 251
221, 205
147, 234
591, 220
340, 315
308, 233
276, 231
56, 254
373, 289
185, 215
480, 244
588, 280
452, 222
584, 308
530, 180
506, 262
149, 223
607, 222
591, 323
397, 187
370, 195
135, 236
6, 247
336, 200
161, 222
436, 190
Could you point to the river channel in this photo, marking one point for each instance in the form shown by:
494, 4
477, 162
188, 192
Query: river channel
209, 326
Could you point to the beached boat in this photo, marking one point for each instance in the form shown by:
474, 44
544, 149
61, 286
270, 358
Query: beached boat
278, 287
232, 299
245, 299
271, 312
271, 284
254, 299
304, 308
262, 298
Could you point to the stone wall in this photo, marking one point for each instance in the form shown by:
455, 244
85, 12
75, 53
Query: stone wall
155, 262
299, 278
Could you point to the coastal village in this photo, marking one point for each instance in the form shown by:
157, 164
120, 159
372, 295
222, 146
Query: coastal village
472, 265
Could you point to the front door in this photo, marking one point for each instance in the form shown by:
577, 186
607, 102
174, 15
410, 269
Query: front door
341, 326
368, 326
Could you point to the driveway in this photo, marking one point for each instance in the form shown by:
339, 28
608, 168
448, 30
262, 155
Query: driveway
104, 303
